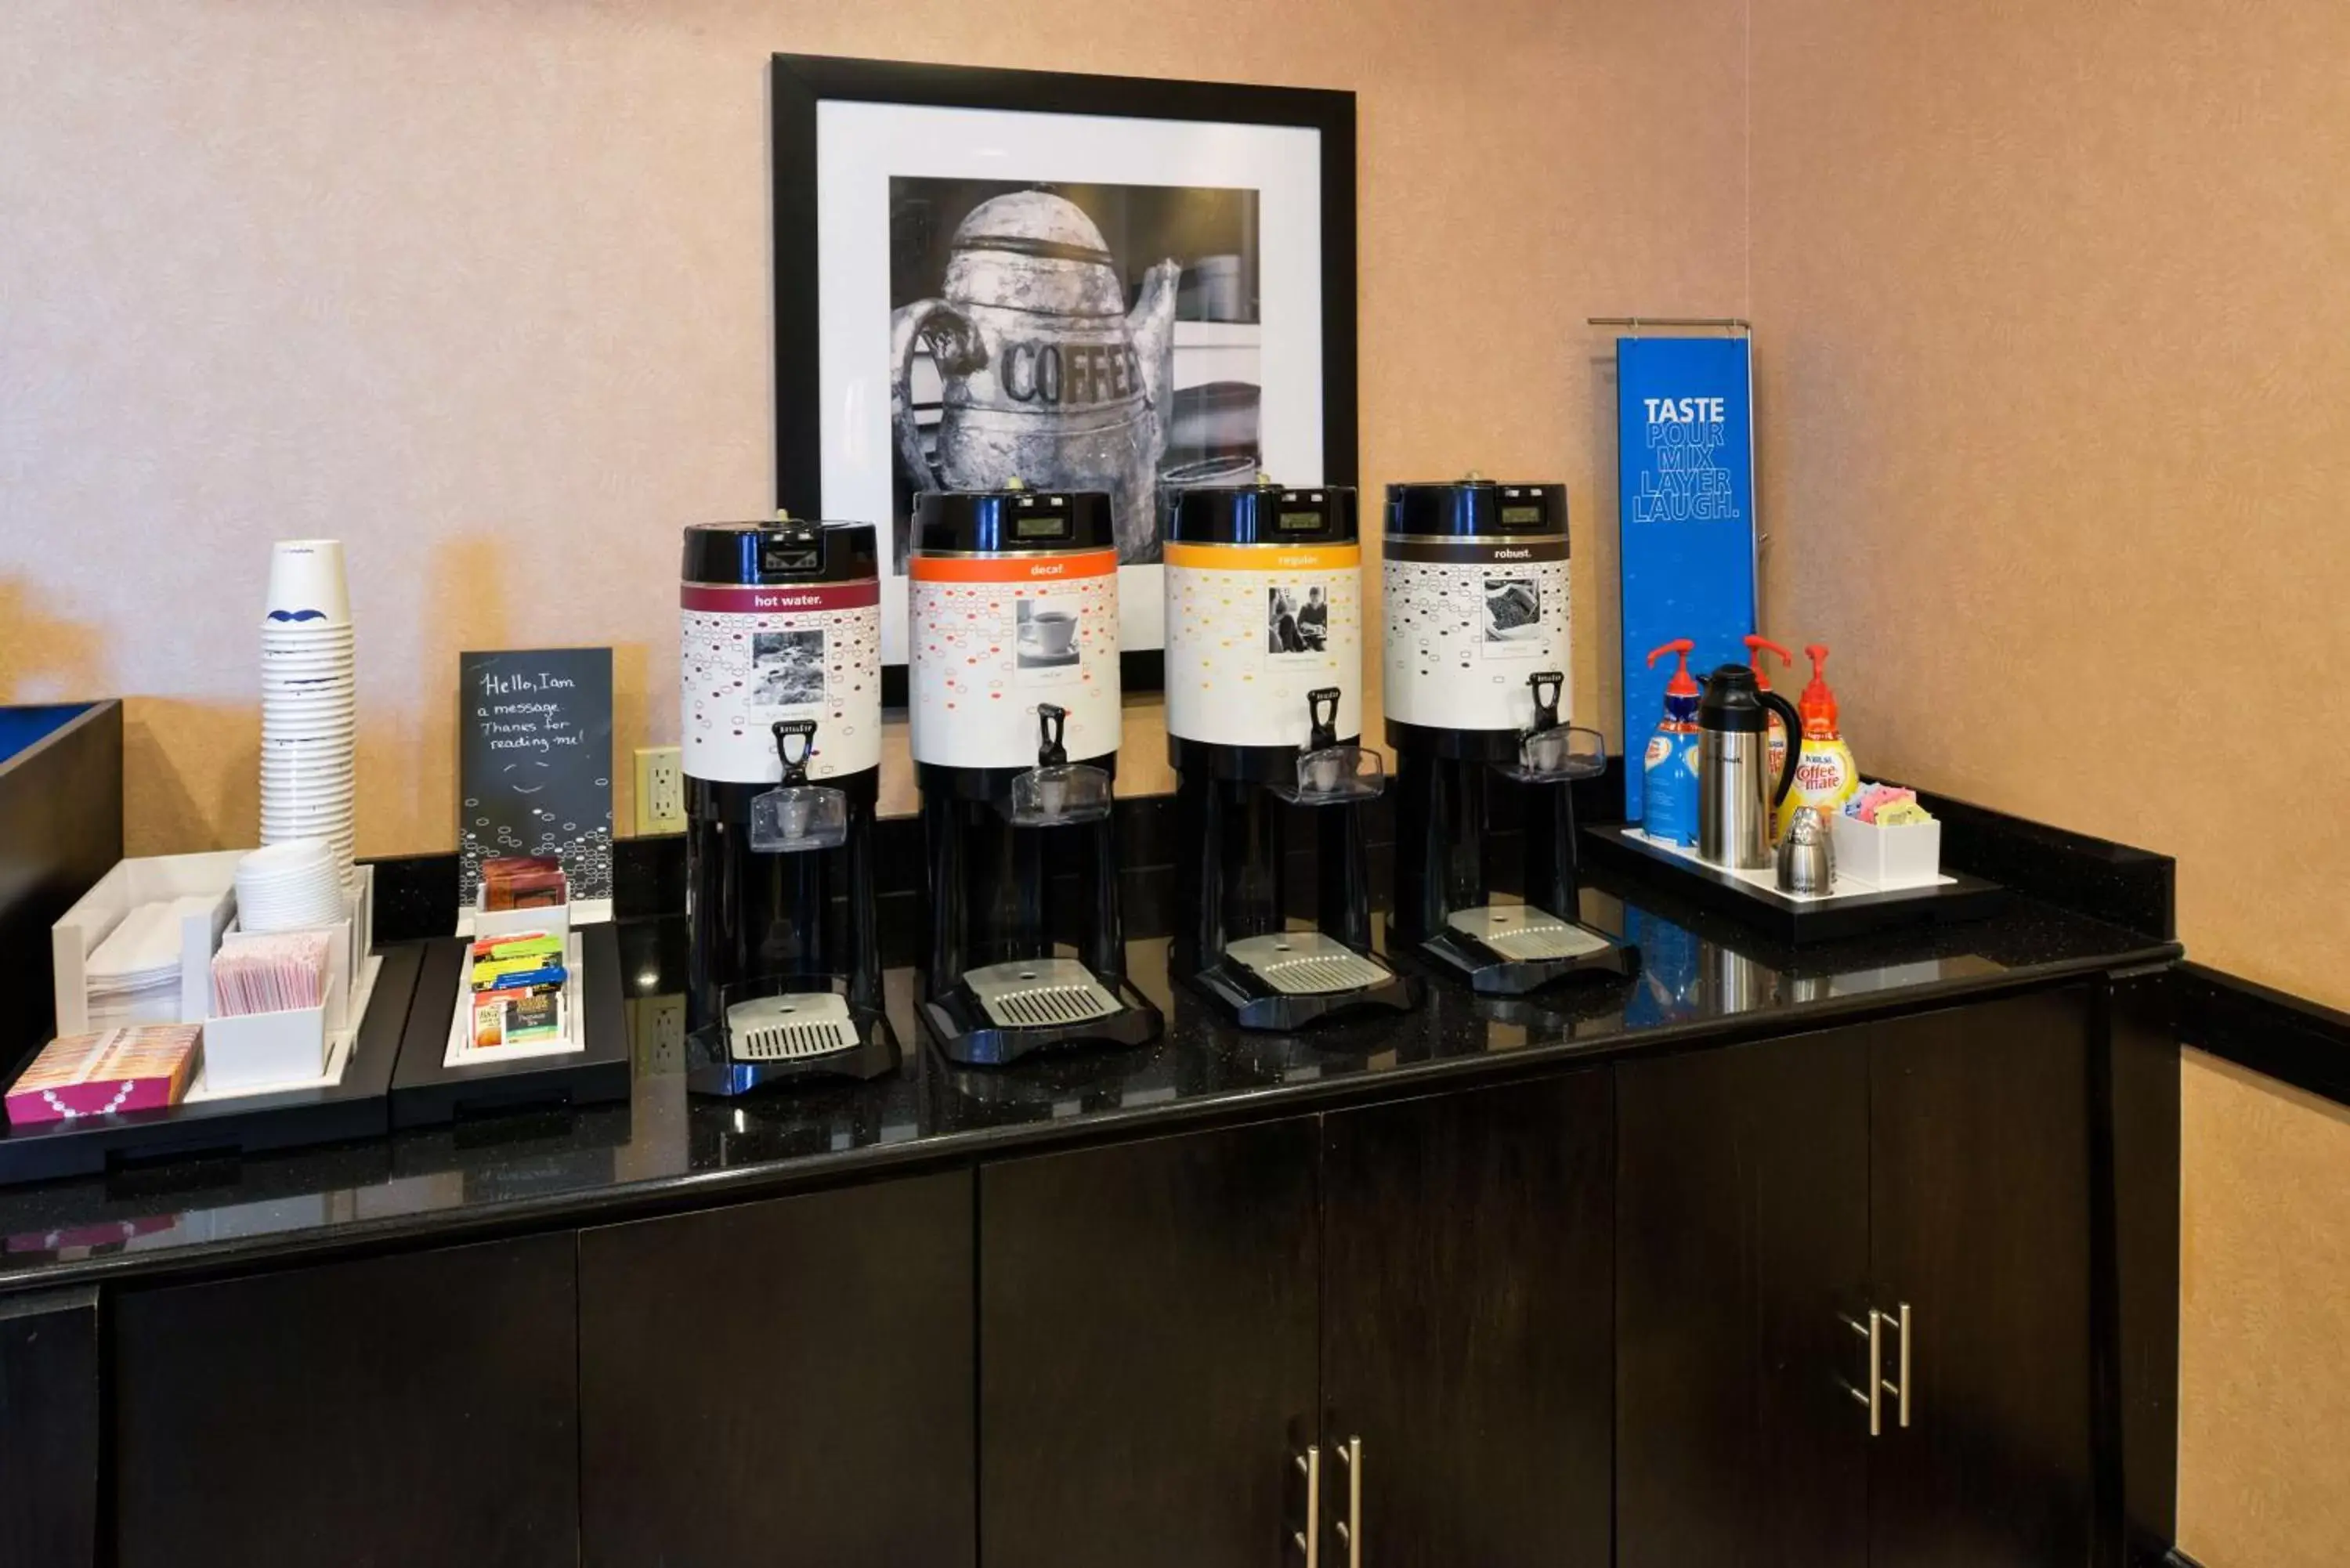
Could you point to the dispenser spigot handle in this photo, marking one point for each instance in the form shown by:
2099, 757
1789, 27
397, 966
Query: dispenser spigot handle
1050, 721
1548, 686
795, 759
1322, 717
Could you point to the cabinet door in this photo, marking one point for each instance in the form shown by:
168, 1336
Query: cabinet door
1468, 1326
787, 1381
1979, 1145
1741, 1245
1147, 1338
50, 1400
403, 1412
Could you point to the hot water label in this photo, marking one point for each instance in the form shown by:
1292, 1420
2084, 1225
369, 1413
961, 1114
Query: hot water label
1467, 622
1251, 630
753, 657
994, 638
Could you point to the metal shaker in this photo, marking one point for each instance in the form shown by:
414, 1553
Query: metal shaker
1806, 854
1736, 795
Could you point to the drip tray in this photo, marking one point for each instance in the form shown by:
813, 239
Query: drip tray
1525, 934
789, 1028
1040, 993
1305, 963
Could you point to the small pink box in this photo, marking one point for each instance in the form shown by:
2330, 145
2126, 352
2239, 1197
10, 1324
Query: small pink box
109, 1073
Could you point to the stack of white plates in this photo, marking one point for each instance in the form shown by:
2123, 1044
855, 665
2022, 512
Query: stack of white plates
309, 709
295, 886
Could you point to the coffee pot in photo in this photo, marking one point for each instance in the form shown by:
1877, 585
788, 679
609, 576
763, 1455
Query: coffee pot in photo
1045, 375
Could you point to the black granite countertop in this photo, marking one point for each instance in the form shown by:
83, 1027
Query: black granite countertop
1703, 979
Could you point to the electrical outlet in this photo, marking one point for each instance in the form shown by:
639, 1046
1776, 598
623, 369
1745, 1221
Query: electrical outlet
657, 1027
660, 790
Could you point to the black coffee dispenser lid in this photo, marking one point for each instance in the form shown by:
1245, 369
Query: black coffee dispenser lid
1264, 514
1732, 702
782, 550
995, 522
1464, 508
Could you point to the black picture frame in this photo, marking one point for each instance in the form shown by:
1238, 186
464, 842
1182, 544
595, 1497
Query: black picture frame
800, 82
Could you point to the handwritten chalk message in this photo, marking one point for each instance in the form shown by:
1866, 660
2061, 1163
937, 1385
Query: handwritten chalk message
535, 762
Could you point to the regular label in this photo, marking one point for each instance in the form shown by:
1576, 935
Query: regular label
1251, 631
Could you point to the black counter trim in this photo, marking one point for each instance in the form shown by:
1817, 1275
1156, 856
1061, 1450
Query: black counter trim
676, 1193
2133, 888
2273, 1032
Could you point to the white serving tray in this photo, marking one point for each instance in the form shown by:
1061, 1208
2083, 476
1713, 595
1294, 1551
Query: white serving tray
462, 1053
471, 923
1845, 884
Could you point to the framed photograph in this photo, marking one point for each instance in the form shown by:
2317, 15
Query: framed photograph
1097, 283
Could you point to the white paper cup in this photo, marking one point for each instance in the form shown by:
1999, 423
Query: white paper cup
307, 585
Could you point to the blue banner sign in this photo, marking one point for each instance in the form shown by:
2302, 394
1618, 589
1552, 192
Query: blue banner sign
1685, 476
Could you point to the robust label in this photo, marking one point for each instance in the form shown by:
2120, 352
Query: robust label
1467, 622
751, 656
1250, 630
992, 637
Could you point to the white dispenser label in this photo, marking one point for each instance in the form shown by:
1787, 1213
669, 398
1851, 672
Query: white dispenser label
1250, 630
752, 655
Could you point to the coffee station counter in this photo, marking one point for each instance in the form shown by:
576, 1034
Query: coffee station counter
937, 1312
1705, 980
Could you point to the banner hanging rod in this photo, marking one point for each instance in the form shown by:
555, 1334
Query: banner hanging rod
1719, 323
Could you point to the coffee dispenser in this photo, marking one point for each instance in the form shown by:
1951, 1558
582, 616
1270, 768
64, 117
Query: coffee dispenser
1013, 690
1265, 702
780, 704
1476, 674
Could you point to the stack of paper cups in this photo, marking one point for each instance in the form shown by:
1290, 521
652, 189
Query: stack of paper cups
308, 712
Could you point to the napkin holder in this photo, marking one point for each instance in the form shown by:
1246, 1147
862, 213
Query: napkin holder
145, 880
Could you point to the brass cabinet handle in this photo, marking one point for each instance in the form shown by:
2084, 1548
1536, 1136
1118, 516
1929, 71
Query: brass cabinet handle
1350, 1529
1309, 1540
1872, 1331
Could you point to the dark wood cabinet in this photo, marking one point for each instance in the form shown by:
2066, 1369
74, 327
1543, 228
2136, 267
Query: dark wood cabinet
1147, 1328
781, 1382
1772, 1196
1467, 1324
1978, 1160
1741, 1225
1616, 1315
399, 1412
50, 1396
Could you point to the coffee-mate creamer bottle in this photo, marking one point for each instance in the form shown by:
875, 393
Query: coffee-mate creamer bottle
1825, 775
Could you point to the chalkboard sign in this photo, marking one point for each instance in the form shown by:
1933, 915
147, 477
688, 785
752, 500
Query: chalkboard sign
535, 762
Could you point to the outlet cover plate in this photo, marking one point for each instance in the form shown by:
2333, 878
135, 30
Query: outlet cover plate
660, 790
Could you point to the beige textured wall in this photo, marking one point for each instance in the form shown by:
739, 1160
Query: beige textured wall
2055, 403
482, 287
2055, 431
2264, 1466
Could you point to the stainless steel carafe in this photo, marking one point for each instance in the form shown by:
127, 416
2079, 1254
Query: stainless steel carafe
1736, 793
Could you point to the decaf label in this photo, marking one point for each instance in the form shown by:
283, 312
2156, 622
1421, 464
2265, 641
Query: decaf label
995, 638
535, 762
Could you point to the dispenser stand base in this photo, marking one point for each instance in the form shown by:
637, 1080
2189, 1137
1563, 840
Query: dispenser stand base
711, 1070
1491, 973
1240, 994
964, 1032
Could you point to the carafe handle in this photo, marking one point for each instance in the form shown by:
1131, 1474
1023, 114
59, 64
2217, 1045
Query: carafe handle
956, 345
1794, 722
